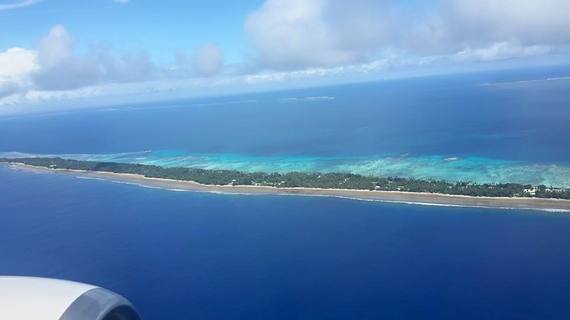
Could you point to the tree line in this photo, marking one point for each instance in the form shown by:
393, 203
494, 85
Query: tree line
303, 179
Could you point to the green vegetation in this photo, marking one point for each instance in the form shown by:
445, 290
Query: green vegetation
299, 179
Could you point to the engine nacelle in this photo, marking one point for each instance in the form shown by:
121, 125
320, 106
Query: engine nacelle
28, 298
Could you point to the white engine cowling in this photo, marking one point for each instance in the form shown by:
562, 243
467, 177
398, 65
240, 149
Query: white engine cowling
28, 298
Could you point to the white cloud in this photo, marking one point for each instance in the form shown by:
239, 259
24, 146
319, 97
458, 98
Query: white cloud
55, 47
16, 65
55, 66
18, 4
529, 21
298, 41
208, 60
501, 51
187, 87
292, 33
61, 68
297, 34
38, 96
317, 33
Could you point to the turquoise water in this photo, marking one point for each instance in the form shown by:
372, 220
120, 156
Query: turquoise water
457, 128
185, 255
471, 169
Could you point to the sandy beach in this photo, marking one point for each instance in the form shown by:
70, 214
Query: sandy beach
550, 205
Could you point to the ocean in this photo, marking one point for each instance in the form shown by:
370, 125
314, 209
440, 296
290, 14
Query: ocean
479, 127
184, 255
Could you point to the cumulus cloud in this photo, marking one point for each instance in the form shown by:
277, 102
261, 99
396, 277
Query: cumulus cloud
528, 21
317, 33
55, 66
55, 47
54, 71
295, 41
208, 60
297, 34
292, 33
61, 68
16, 65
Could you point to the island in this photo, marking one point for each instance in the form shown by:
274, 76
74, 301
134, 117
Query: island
336, 184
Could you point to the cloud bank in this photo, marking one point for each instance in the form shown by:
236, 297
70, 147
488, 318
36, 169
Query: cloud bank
294, 42
295, 34
59, 67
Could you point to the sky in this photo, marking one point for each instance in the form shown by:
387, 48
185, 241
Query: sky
62, 53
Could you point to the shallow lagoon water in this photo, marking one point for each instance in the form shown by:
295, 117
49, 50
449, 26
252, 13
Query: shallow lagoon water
473, 169
185, 255
459, 128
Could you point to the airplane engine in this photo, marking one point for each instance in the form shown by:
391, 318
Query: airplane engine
28, 298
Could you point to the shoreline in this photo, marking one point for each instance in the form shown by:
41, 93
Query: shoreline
417, 198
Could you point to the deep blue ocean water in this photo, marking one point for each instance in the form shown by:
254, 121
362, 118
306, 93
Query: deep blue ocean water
184, 255
454, 116
181, 255
491, 127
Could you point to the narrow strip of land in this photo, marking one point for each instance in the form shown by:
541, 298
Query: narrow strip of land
543, 204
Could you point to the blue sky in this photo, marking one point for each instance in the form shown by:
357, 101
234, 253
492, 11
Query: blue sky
160, 27
64, 52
